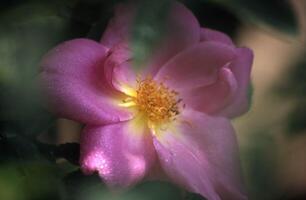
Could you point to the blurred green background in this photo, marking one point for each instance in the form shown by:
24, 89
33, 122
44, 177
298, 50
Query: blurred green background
39, 153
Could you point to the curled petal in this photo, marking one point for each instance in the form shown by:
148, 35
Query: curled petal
197, 66
241, 69
120, 153
216, 36
212, 98
201, 154
74, 83
118, 67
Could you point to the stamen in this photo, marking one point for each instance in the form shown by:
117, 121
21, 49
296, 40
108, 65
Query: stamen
127, 104
156, 102
128, 91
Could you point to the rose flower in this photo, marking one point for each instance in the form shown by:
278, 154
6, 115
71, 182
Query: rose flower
171, 118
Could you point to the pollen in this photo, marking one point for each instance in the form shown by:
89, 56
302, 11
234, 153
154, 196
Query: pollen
155, 101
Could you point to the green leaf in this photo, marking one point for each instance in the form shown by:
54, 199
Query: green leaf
29, 181
157, 190
28, 32
79, 187
278, 14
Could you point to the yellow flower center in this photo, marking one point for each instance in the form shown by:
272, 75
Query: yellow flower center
156, 102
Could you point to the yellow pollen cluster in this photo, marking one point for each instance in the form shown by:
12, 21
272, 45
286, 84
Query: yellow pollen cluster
158, 102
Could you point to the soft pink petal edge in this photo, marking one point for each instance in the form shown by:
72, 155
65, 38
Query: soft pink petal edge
212, 98
73, 82
119, 67
241, 68
214, 35
196, 66
121, 155
201, 154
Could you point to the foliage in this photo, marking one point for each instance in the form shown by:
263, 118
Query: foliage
275, 13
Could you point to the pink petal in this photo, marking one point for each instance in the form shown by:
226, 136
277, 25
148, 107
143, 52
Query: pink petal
201, 154
118, 67
73, 81
216, 36
241, 68
78, 58
212, 98
182, 31
122, 155
197, 66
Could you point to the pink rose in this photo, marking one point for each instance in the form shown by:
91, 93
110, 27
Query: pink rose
172, 116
